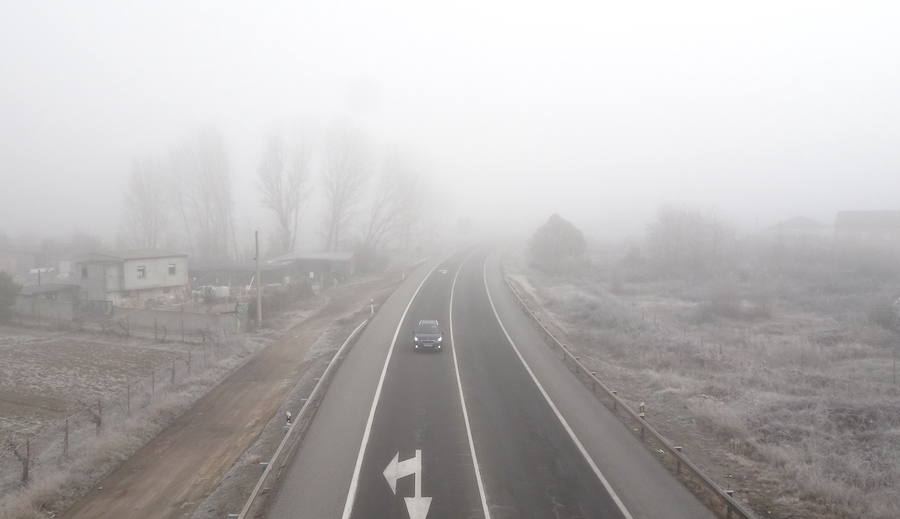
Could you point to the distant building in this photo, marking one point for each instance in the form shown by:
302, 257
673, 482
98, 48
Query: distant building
319, 268
233, 273
51, 291
16, 263
47, 301
129, 277
874, 231
800, 228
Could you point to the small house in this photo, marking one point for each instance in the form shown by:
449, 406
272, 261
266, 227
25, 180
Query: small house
131, 277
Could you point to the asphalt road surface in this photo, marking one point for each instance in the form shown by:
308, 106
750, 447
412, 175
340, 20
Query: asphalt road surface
493, 426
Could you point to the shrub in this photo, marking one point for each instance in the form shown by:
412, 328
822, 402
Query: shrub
558, 246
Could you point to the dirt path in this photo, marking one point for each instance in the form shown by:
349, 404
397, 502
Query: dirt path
169, 476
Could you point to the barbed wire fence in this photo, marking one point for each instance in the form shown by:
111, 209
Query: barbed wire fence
30, 454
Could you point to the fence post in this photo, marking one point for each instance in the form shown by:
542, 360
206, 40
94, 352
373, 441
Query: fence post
128, 399
66, 439
99, 416
189, 362
173, 371
27, 461
153, 382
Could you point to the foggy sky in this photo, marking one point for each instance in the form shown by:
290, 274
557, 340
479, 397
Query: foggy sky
598, 110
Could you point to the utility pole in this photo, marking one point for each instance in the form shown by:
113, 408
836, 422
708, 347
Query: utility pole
258, 286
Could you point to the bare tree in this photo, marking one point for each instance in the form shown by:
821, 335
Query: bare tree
203, 195
281, 177
684, 241
395, 203
144, 221
344, 177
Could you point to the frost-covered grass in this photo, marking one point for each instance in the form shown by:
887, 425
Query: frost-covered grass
54, 491
789, 393
47, 376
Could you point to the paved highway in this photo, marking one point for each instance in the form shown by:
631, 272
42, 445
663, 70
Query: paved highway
494, 426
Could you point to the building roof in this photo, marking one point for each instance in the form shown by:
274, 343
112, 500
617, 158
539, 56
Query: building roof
799, 223
124, 255
230, 266
868, 219
323, 256
46, 288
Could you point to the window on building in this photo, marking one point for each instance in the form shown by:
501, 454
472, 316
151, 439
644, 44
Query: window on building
171, 269
142, 272
84, 272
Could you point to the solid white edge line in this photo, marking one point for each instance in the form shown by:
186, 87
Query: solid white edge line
303, 410
462, 399
559, 415
354, 481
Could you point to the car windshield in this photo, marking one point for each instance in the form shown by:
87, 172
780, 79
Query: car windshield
427, 328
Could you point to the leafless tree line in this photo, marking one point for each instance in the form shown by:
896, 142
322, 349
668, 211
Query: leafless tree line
186, 201
183, 201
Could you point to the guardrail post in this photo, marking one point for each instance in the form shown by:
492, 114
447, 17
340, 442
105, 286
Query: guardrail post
643, 417
615, 400
678, 460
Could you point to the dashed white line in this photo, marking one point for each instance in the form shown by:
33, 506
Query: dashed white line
462, 398
559, 415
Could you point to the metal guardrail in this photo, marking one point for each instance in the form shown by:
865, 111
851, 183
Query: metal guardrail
300, 423
683, 466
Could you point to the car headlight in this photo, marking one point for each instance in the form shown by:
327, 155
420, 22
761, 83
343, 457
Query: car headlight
440, 339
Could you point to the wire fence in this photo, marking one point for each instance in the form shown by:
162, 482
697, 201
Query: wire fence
720, 500
26, 456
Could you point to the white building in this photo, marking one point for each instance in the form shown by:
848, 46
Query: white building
131, 277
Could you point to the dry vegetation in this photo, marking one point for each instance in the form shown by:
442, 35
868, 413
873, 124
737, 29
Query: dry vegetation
774, 372
47, 375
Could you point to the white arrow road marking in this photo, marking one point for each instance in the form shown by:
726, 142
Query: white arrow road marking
417, 506
396, 470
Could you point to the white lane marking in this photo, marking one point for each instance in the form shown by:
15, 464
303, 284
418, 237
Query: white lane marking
354, 481
462, 399
559, 415
418, 505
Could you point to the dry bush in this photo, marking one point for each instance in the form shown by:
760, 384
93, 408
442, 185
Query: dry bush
803, 394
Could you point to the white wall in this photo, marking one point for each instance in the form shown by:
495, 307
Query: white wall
157, 273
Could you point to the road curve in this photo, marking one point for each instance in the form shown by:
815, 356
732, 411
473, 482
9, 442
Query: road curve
492, 427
